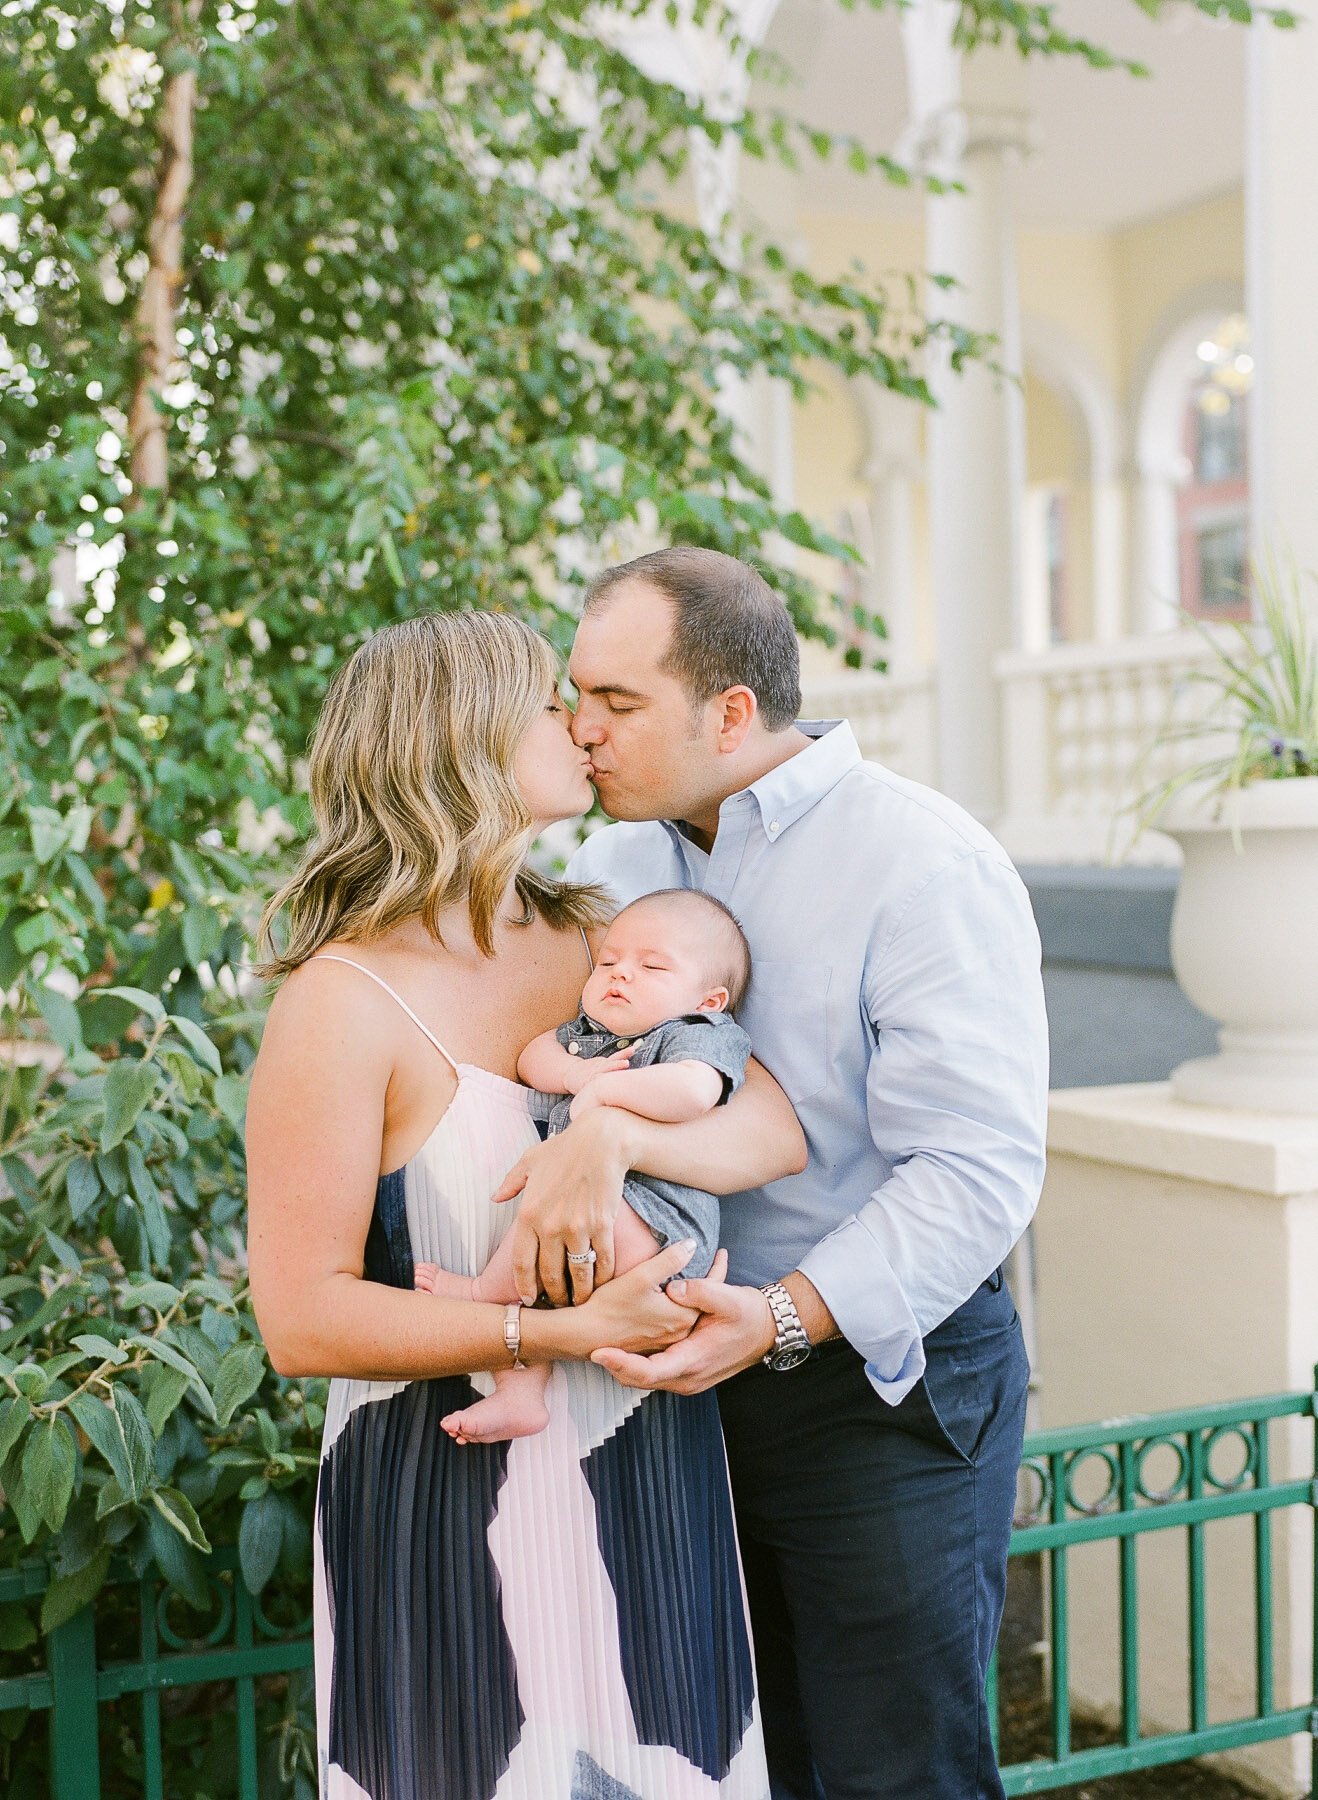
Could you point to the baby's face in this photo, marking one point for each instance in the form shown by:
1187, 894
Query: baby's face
650, 968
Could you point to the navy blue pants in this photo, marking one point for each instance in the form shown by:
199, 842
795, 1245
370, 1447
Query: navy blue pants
874, 1540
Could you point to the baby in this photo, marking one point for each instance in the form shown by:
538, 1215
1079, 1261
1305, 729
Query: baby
654, 1035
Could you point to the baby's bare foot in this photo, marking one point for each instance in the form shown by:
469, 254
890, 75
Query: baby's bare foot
514, 1410
429, 1278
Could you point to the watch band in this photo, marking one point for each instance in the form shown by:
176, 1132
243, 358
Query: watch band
791, 1345
512, 1332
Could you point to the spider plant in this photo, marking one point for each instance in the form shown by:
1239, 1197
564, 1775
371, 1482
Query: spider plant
1265, 673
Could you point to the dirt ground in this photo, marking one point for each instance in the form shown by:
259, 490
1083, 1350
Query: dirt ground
1026, 1712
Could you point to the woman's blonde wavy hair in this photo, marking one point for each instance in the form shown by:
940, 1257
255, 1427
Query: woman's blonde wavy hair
412, 790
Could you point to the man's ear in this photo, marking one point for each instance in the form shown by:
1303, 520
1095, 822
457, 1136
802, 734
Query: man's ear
738, 707
716, 1000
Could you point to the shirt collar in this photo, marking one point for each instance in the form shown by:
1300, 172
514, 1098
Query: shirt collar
588, 1027
788, 792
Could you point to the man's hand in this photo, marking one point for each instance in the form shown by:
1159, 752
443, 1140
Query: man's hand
571, 1188
734, 1330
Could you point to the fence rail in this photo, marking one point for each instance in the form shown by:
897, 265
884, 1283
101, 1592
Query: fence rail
240, 1647
1115, 1460
1129, 1502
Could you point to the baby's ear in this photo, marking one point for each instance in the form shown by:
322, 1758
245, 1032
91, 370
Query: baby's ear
716, 1000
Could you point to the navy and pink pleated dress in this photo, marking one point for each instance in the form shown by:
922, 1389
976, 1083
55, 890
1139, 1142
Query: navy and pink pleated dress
561, 1617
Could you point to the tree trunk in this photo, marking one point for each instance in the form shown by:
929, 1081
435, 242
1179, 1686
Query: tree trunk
149, 464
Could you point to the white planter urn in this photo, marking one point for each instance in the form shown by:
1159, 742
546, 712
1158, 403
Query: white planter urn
1245, 942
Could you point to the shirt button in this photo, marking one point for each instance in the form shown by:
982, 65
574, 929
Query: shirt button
623, 1043
574, 1049
774, 826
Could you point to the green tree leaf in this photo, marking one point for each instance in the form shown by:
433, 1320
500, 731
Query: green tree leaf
197, 1041
180, 1513
176, 1558
157, 1347
95, 1345
49, 1463
168, 1387
16, 1628
103, 1426
128, 1089
159, 1295
36, 932
138, 997
203, 931
68, 1594
138, 1437
231, 1098
14, 1415
241, 1373
44, 674
83, 1186
260, 1539
48, 831
61, 1015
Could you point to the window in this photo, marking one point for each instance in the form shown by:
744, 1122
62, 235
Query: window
1213, 505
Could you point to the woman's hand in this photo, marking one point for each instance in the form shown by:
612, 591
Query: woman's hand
632, 1312
571, 1188
735, 1329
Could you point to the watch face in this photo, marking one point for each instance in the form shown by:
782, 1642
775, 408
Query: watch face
789, 1359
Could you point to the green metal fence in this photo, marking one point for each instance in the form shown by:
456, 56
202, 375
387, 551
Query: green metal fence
242, 1644
239, 1647
1130, 1503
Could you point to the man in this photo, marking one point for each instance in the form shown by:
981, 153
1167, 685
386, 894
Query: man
871, 1369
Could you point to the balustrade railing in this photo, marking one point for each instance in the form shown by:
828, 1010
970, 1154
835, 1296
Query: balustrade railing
1081, 729
891, 715
1082, 725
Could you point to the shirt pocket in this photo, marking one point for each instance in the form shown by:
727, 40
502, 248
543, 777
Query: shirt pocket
786, 1014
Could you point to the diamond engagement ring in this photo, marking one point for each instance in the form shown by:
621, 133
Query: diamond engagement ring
581, 1256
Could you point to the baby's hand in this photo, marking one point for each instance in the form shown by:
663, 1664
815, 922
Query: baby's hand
590, 1094
593, 1067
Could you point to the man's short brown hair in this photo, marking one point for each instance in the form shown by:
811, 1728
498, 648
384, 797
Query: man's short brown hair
729, 629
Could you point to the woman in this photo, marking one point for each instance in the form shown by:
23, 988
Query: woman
559, 1617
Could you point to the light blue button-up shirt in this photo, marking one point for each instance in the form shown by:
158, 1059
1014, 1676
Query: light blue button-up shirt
896, 995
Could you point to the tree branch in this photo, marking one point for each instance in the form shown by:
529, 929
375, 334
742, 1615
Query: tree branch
149, 455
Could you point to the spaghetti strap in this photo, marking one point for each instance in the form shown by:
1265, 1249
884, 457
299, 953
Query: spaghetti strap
329, 956
586, 941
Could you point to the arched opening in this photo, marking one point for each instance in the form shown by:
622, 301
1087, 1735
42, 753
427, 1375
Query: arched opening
1057, 561
1192, 456
1075, 529
1212, 507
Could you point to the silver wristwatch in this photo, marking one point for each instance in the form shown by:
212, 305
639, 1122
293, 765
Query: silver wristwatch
791, 1346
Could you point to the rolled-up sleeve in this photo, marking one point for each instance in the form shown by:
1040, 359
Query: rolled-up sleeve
716, 1040
957, 1096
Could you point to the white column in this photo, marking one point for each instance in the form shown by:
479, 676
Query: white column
761, 409
890, 472
1157, 573
1108, 527
1281, 197
977, 434
1035, 598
